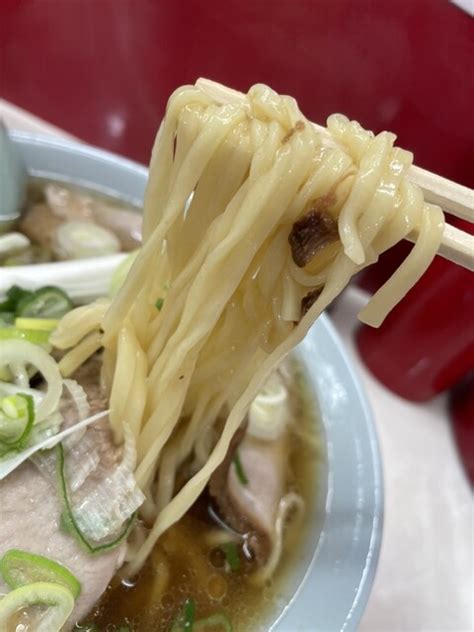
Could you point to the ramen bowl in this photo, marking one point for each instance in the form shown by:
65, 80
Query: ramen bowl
328, 582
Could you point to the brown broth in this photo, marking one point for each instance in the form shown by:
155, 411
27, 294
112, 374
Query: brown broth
195, 569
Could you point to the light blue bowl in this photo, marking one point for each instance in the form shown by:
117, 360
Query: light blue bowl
331, 592
330, 582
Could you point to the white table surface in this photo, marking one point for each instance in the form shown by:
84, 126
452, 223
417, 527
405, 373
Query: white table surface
424, 580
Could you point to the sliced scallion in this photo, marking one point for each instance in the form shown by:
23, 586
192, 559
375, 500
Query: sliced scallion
17, 415
214, 622
185, 621
36, 324
47, 302
231, 555
35, 336
14, 295
159, 303
21, 567
239, 470
79, 239
69, 521
58, 600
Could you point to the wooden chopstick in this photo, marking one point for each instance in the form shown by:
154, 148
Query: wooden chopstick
456, 199
453, 198
456, 246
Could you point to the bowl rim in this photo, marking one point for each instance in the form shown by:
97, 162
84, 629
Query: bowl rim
27, 140
79, 147
324, 592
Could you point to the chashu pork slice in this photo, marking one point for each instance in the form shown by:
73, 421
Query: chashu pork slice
251, 507
30, 510
30, 514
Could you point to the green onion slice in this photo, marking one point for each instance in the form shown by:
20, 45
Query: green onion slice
20, 568
37, 324
239, 470
185, 621
68, 521
47, 302
35, 336
14, 295
17, 416
58, 600
231, 555
159, 303
216, 622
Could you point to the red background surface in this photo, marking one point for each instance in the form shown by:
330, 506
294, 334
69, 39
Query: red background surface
103, 69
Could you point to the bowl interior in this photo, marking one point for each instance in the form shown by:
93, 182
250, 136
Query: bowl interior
332, 578
83, 165
330, 581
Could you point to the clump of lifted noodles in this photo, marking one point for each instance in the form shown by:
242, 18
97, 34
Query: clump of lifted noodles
253, 224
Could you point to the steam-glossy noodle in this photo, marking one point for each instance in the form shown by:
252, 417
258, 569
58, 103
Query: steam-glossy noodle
227, 183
